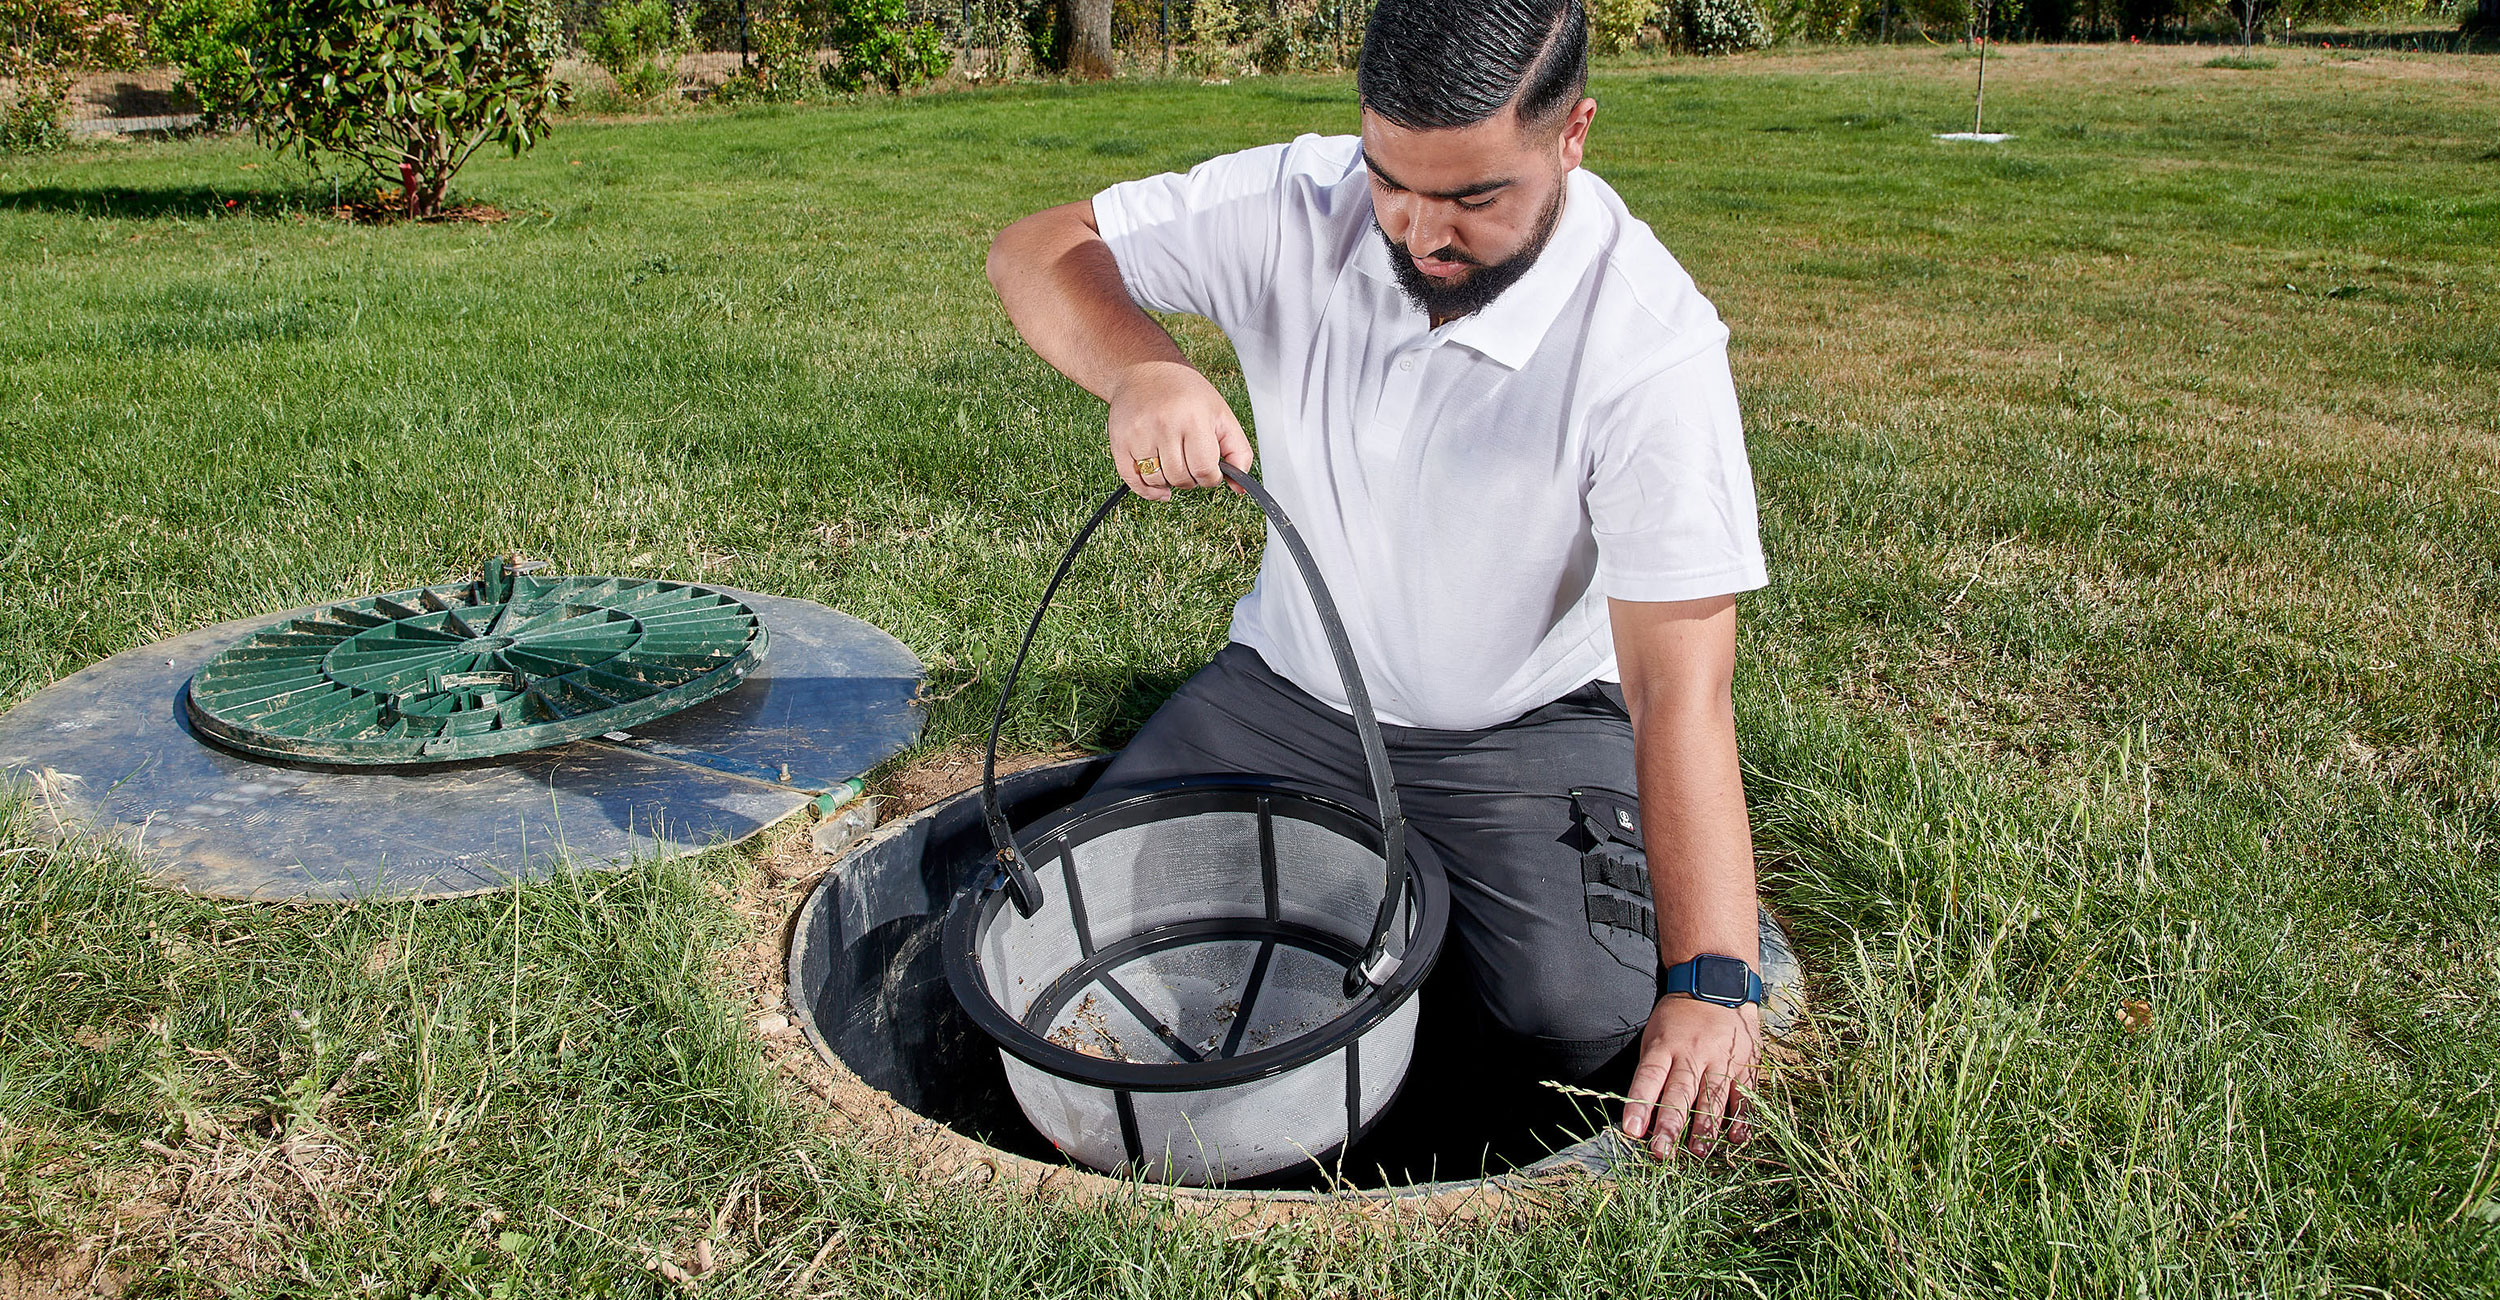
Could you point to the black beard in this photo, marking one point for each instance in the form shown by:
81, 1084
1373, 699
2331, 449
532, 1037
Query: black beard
1447, 300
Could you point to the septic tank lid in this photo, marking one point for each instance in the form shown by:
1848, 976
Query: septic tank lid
509, 662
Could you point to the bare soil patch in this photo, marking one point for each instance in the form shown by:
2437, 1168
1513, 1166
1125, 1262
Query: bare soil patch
386, 208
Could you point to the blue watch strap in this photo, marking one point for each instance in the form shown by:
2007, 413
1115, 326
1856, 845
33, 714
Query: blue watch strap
1687, 978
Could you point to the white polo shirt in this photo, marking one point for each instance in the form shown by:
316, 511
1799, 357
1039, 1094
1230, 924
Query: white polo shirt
1474, 493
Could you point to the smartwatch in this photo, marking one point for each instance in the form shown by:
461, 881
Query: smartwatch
1710, 977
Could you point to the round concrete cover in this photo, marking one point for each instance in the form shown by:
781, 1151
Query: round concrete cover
111, 747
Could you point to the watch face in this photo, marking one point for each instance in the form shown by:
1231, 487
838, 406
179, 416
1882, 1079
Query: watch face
1721, 979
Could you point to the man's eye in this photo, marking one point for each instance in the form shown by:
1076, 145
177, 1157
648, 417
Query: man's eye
1473, 204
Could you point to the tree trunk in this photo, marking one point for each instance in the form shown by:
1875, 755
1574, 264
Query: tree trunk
2485, 19
1083, 39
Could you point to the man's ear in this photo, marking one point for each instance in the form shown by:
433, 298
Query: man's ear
1575, 132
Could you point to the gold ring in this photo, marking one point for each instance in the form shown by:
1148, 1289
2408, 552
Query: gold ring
1149, 465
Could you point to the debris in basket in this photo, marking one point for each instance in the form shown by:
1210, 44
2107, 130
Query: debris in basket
1088, 1032
1223, 1015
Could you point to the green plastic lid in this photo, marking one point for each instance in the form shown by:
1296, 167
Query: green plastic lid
510, 662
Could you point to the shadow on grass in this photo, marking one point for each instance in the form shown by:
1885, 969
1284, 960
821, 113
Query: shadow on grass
1101, 710
159, 202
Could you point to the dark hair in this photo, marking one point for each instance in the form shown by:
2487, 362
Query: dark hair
1431, 64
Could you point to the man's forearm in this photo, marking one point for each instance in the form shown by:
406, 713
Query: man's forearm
1678, 662
1062, 289
1693, 821
1167, 428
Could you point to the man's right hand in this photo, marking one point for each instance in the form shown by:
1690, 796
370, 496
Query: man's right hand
1166, 414
1061, 287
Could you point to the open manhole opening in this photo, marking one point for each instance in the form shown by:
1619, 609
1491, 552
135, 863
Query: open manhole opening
868, 984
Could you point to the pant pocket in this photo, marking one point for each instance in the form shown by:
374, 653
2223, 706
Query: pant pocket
1614, 877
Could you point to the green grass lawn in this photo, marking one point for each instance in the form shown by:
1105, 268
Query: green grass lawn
2130, 492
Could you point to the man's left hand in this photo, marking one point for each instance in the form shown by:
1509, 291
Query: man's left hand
1697, 1062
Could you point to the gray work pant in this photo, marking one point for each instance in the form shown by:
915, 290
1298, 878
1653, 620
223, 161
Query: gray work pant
1551, 924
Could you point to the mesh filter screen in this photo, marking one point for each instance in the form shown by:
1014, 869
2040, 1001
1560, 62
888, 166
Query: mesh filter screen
1187, 869
1154, 945
1327, 881
1221, 1134
1303, 990
1194, 991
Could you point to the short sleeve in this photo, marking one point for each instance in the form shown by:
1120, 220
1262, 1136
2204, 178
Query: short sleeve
1204, 242
1671, 498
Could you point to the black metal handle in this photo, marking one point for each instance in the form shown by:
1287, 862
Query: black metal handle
1024, 888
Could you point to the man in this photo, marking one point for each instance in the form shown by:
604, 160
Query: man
1501, 415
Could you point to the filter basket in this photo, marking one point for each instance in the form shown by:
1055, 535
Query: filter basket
1206, 979
1176, 1008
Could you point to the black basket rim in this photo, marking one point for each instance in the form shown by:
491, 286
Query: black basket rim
980, 899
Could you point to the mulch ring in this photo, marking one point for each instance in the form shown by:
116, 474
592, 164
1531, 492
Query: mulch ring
386, 208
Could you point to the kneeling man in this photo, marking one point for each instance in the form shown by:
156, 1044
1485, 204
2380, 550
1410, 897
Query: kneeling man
1501, 415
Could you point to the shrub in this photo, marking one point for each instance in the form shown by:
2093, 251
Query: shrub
64, 36
1615, 24
409, 89
1720, 26
780, 50
1815, 20
30, 117
877, 41
1213, 27
632, 41
207, 42
43, 42
1224, 38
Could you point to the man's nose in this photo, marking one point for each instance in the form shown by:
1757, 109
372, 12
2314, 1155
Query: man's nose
1429, 230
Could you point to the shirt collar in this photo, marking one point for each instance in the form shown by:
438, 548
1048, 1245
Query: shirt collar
1509, 329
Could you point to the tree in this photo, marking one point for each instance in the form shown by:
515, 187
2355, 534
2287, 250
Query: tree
407, 88
1080, 42
2252, 15
2485, 20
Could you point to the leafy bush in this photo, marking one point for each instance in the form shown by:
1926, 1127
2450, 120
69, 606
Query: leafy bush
42, 43
633, 42
1615, 24
1213, 28
407, 88
1815, 20
876, 40
38, 36
1224, 38
30, 116
207, 42
1720, 26
780, 50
